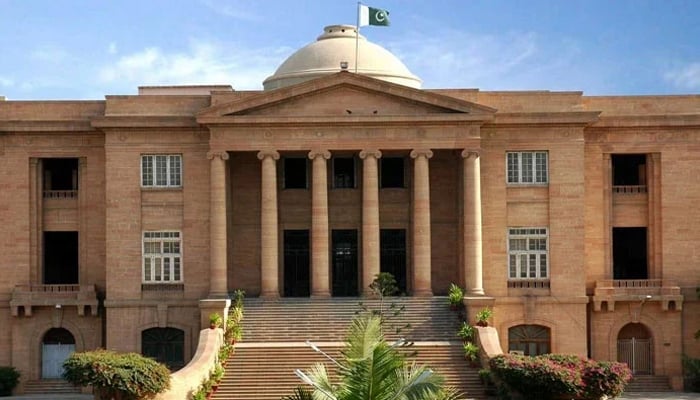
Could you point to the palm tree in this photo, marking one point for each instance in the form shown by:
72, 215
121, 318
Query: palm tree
372, 369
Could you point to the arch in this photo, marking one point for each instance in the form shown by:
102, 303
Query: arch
57, 344
635, 348
657, 335
505, 326
531, 340
189, 337
165, 345
36, 342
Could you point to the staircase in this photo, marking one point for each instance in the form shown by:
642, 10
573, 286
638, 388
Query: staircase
648, 383
49, 386
274, 334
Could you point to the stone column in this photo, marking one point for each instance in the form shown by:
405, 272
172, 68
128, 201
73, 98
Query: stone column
320, 270
471, 222
421, 223
269, 256
218, 285
370, 218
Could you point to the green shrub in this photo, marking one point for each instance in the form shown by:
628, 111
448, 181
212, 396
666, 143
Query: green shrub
691, 369
466, 332
9, 377
555, 375
124, 376
455, 296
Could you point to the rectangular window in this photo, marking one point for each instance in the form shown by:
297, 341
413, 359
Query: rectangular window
527, 167
344, 173
392, 172
295, 173
162, 257
527, 253
161, 170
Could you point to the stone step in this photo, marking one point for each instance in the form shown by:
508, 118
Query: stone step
648, 383
49, 386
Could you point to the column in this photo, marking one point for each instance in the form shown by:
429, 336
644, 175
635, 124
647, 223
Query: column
370, 218
218, 285
421, 223
269, 264
471, 220
320, 270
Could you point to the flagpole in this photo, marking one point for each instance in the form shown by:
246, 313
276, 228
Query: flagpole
357, 34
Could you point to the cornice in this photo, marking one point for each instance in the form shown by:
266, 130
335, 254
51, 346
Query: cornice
580, 118
159, 121
46, 126
350, 120
650, 121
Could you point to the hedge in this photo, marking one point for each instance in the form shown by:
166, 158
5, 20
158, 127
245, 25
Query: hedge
9, 377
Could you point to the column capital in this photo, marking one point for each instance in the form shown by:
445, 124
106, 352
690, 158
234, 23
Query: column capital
222, 154
376, 153
466, 153
322, 153
262, 154
427, 153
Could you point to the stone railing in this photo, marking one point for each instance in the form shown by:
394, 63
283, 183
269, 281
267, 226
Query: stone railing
637, 290
60, 194
58, 296
186, 381
630, 189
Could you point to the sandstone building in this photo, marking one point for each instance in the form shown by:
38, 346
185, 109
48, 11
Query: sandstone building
127, 220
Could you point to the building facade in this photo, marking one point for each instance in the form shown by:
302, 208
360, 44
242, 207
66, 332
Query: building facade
128, 219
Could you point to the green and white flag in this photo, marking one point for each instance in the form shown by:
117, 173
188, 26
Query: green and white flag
373, 16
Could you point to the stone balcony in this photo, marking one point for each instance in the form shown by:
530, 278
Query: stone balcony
610, 291
56, 296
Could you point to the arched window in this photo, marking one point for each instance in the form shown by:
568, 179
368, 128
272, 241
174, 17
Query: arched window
532, 340
165, 345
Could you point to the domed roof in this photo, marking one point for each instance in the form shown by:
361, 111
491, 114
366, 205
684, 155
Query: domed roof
336, 44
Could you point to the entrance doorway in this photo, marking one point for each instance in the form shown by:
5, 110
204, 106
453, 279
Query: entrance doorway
56, 346
634, 347
296, 263
61, 258
392, 244
630, 253
344, 262
165, 345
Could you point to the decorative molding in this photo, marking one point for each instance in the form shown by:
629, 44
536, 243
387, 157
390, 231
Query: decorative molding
262, 154
323, 153
222, 154
466, 153
376, 153
427, 153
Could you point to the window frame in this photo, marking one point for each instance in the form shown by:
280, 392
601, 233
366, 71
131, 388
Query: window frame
382, 167
353, 169
519, 175
174, 258
515, 271
173, 171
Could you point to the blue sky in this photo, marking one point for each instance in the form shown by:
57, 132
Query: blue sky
69, 49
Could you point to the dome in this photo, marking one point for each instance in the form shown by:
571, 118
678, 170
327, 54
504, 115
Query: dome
336, 44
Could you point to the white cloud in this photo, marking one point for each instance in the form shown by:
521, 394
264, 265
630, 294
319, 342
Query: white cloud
685, 77
202, 63
235, 9
6, 82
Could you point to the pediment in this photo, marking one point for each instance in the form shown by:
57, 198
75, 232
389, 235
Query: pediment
343, 94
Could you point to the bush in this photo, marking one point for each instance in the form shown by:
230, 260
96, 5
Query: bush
122, 376
691, 369
553, 375
9, 377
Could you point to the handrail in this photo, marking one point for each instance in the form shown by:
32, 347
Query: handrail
629, 189
60, 194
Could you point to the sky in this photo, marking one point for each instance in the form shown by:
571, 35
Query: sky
86, 49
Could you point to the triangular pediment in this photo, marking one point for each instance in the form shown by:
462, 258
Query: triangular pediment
344, 94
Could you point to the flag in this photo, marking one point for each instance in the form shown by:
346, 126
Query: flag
373, 16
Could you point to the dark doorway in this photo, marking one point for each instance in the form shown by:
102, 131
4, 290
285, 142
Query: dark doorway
296, 263
165, 345
60, 258
60, 173
391, 172
392, 243
629, 169
630, 253
344, 262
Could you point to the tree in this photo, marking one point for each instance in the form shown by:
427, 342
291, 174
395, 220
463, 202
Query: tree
372, 369
119, 376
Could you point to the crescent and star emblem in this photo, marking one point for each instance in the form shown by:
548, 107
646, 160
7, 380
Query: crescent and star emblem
380, 16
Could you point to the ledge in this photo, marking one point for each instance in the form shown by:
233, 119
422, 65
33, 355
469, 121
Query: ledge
34, 295
611, 291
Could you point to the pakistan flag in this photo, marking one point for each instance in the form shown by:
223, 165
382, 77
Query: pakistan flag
373, 16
